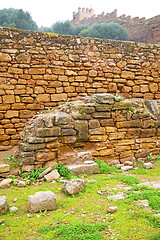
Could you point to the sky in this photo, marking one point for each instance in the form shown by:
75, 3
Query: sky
47, 12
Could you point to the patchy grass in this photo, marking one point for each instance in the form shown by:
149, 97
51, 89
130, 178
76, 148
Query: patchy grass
86, 212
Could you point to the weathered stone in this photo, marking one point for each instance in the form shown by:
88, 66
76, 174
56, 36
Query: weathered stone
94, 123
4, 168
112, 209
40, 201
21, 183
84, 168
45, 156
122, 105
82, 128
106, 152
74, 186
4, 57
53, 175
3, 204
147, 165
62, 119
49, 169
101, 115
48, 132
6, 183
116, 197
27, 168
31, 147
103, 98
67, 132
125, 168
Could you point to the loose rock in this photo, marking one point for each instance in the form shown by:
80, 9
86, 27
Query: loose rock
73, 186
147, 165
112, 209
40, 201
54, 175
48, 170
3, 204
6, 183
13, 209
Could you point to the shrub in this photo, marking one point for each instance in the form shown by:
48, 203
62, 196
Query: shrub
104, 167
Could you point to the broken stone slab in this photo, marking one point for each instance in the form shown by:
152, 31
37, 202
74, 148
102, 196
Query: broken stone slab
3, 204
41, 201
154, 184
4, 168
6, 183
74, 186
147, 165
119, 165
117, 197
84, 156
84, 168
54, 175
49, 169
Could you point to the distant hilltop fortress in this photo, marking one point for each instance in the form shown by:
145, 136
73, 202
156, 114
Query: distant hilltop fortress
139, 29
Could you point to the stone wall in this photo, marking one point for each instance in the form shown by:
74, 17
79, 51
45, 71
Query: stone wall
106, 126
38, 71
139, 29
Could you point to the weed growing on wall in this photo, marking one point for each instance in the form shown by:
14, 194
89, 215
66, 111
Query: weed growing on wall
11, 161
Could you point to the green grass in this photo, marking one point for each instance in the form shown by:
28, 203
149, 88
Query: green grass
85, 211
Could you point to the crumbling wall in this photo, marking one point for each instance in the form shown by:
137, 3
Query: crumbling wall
38, 71
104, 125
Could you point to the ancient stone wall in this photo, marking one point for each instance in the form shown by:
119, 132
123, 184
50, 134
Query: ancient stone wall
103, 125
139, 29
38, 71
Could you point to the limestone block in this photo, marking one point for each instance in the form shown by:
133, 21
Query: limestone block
100, 130
40, 201
8, 99
31, 147
45, 156
74, 186
106, 152
127, 75
47, 132
58, 97
82, 128
103, 98
94, 123
122, 105
4, 57
84, 168
4, 168
53, 175
3, 204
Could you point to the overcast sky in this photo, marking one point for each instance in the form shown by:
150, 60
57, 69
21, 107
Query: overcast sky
48, 12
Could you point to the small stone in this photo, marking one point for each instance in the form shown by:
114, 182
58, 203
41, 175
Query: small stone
118, 166
3, 204
13, 209
125, 168
52, 176
28, 215
15, 199
4, 168
128, 163
6, 183
116, 197
21, 184
112, 209
147, 165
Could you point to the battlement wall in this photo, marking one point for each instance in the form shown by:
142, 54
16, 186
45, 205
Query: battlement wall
39, 71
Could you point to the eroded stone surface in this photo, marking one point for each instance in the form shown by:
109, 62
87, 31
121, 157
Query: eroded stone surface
3, 204
40, 201
73, 186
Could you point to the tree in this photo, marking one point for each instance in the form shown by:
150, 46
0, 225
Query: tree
105, 31
67, 28
17, 18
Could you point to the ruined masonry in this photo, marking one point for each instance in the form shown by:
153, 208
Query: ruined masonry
99, 126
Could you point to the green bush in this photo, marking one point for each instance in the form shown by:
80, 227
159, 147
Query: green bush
33, 175
104, 167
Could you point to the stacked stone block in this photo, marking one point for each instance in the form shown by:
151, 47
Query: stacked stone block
39, 71
114, 130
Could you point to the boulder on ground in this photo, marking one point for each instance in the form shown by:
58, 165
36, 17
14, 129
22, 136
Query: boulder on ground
112, 209
74, 186
40, 201
3, 204
6, 183
54, 175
